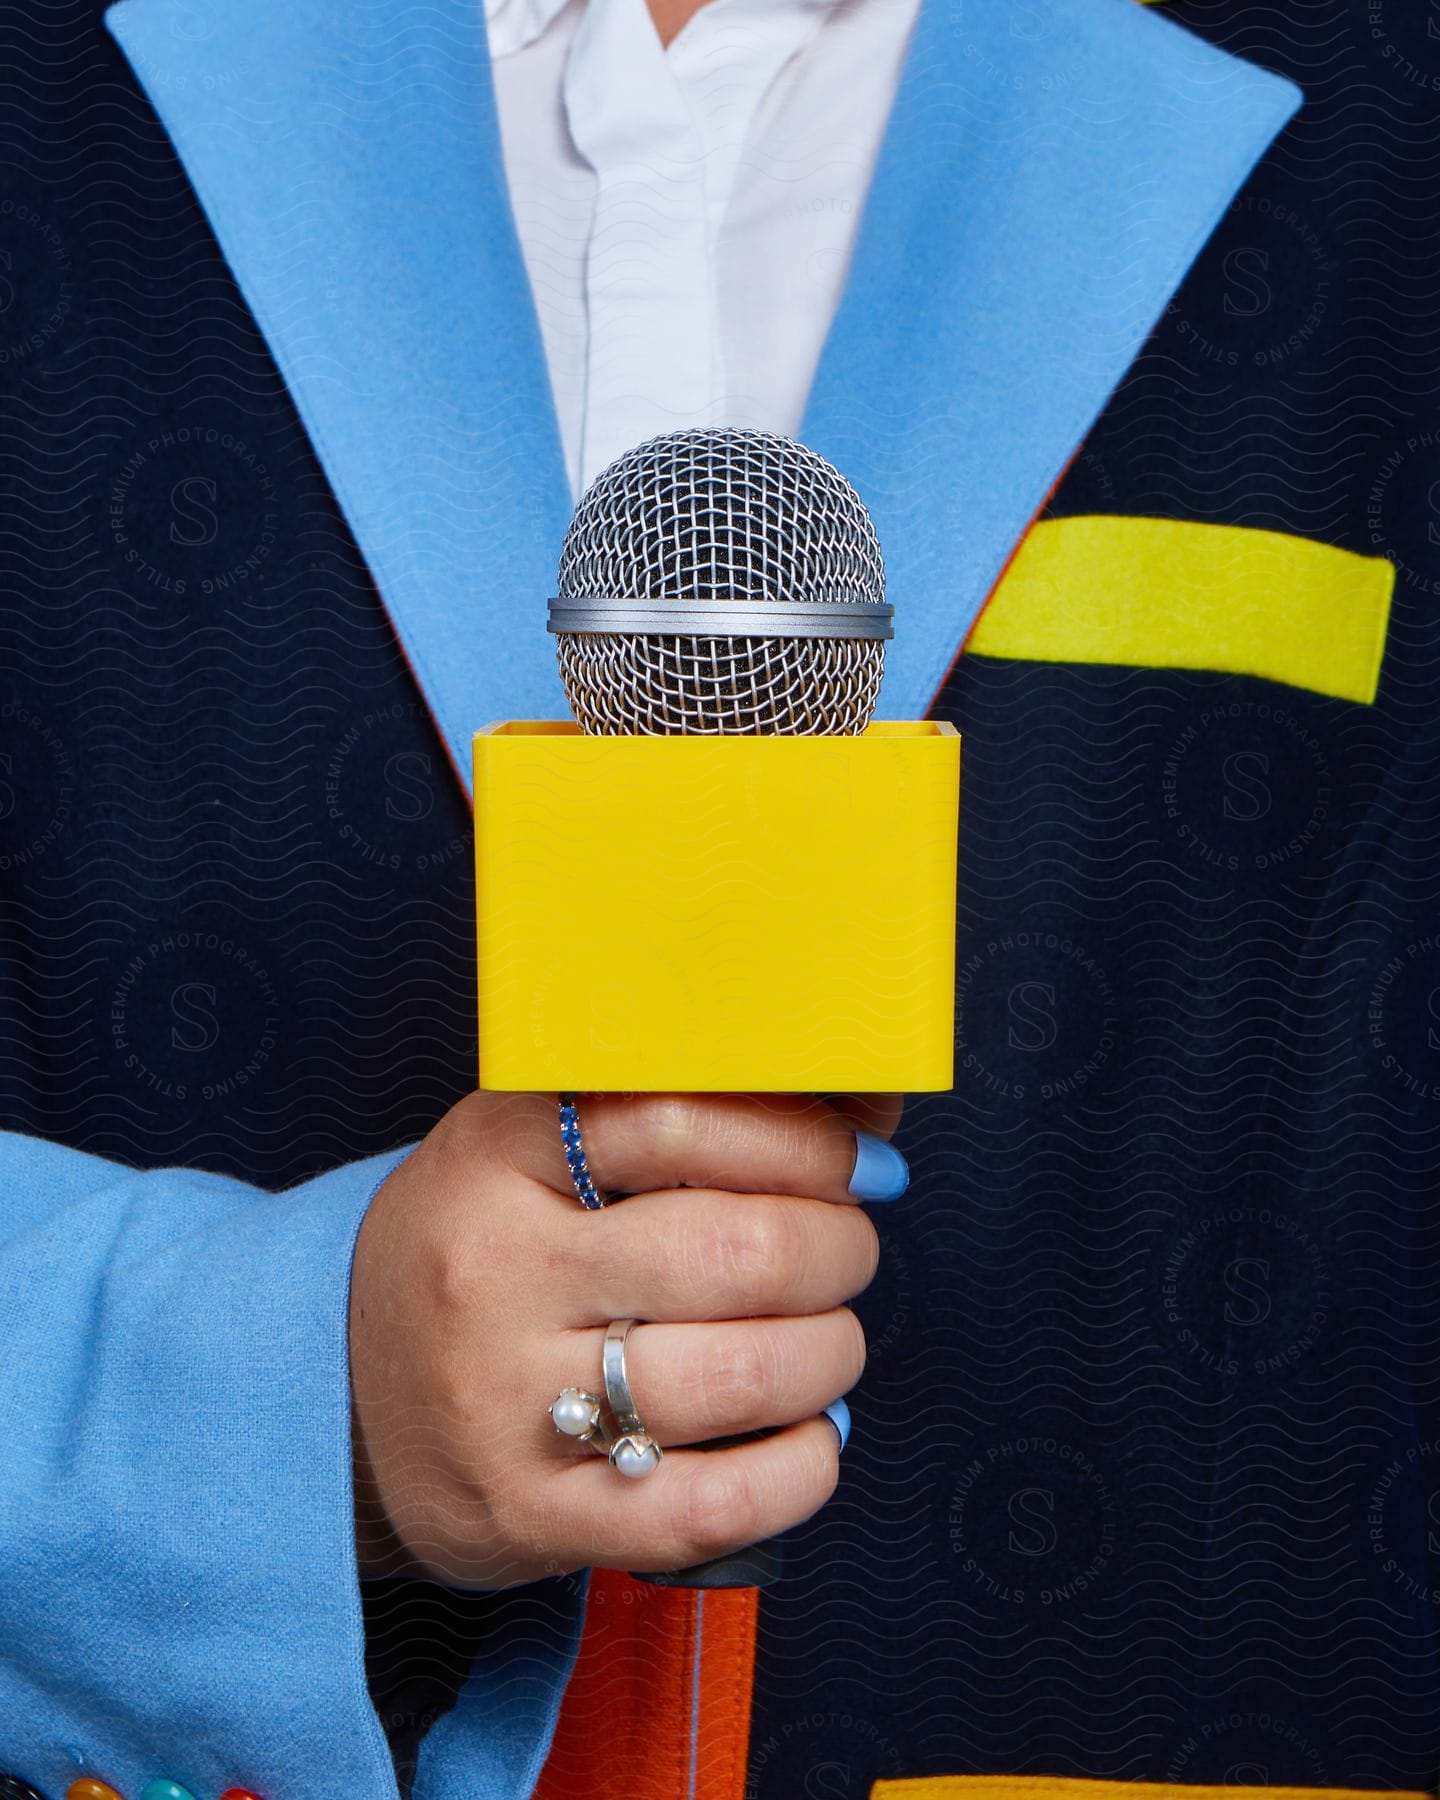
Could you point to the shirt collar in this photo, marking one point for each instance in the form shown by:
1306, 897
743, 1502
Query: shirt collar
512, 24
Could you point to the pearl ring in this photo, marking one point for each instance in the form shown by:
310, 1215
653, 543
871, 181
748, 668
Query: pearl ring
614, 1428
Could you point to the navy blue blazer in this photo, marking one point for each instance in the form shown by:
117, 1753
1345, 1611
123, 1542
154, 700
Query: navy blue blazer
1139, 1479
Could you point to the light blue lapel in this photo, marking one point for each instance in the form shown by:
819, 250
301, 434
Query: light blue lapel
347, 157
1051, 170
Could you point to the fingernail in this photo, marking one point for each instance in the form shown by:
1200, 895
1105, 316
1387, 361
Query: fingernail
881, 1172
838, 1413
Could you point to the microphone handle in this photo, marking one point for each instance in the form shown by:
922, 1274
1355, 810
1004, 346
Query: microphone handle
756, 1565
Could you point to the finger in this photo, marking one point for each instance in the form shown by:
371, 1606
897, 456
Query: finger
696, 1505
879, 1114
746, 1143
674, 1257
694, 1382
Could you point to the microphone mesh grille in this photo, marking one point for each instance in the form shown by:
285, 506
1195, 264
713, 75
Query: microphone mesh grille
721, 514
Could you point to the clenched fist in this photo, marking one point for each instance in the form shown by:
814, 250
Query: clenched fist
481, 1288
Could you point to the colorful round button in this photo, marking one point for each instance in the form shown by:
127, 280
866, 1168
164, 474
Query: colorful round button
163, 1789
239, 1794
13, 1788
88, 1788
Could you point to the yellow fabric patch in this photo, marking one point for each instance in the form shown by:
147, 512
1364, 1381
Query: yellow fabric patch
1067, 1787
1168, 594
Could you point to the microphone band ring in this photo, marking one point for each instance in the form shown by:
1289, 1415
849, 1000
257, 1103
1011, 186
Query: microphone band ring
872, 619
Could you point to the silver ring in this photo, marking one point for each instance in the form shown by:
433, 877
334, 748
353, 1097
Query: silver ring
633, 1452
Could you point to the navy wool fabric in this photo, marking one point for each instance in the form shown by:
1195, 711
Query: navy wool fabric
1139, 1479
1142, 1479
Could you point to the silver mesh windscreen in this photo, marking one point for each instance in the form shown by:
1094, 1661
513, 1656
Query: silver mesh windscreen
698, 519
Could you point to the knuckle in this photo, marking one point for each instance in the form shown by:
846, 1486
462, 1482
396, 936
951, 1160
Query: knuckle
566, 1256
666, 1123
457, 1276
721, 1510
736, 1374
762, 1249
469, 1262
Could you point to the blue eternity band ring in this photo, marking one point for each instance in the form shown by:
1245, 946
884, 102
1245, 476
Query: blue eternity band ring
574, 1147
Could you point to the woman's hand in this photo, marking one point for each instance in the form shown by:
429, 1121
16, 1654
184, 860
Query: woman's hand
482, 1287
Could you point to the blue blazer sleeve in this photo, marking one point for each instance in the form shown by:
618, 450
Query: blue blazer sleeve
178, 1586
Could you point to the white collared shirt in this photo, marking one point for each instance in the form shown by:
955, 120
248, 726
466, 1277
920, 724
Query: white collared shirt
687, 214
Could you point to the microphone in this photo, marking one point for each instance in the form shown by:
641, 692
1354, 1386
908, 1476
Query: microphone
671, 892
721, 582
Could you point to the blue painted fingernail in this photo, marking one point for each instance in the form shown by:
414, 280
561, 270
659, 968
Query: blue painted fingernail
838, 1413
881, 1172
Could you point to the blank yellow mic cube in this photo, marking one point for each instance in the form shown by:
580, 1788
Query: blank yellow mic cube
716, 914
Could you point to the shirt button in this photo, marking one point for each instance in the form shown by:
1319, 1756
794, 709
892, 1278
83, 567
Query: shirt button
13, 1788
87, 1788
163, 1789
239, 1794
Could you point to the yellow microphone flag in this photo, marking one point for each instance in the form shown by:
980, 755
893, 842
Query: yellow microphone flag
716, 914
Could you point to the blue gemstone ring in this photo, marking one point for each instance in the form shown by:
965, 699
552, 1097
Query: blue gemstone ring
570, 1139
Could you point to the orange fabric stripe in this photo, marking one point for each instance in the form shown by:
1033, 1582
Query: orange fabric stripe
640, 1703
727, 1683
